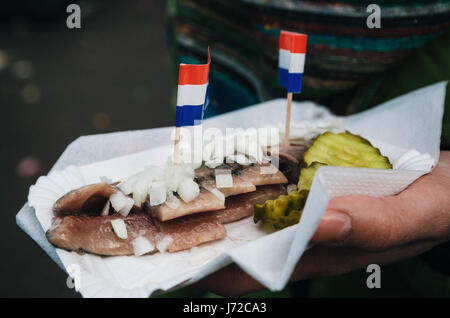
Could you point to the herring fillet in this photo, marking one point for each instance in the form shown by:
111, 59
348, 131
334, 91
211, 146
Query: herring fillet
77, 225
256, 175
205, 201
94, 234
239, 185
245, 180
191, 230
243, 176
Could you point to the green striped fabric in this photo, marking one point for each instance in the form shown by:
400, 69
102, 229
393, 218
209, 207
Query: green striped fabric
346, 62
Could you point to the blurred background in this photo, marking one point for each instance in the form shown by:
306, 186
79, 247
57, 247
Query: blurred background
57, 84
118, 72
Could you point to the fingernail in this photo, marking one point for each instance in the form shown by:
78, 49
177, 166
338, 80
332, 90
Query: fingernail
335, 226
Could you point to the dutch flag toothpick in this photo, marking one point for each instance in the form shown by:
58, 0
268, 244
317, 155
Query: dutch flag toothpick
291, 63
192, 98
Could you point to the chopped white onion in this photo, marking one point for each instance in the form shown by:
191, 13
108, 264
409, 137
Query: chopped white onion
163, 243
105, 210
153, 172
172, 201
188, 190
142, 245
223, 178
121, 203
127, 185
157, 182
174, 175
120, 228
127, 208
140, 192
158, 193
188, 171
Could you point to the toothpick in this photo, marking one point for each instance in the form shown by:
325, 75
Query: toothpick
288, 119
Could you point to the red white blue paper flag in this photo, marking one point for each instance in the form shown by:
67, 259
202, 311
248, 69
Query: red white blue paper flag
291, 60
192, 98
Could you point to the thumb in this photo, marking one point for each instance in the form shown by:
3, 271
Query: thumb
371, 223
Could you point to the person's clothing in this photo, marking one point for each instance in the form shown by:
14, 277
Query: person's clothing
349, 68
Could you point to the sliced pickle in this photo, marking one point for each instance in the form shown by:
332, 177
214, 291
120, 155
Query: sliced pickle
307, 175
345, 150
283, 211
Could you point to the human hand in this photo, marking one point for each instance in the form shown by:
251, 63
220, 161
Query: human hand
359, 230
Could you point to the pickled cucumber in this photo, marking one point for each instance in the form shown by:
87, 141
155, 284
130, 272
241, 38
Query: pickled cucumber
307, 175
345, 150
283, 211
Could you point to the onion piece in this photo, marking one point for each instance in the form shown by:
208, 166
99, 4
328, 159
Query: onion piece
174, 175
188, 190
158, 193
163, 243
120, 228
127, 208
223, 178
121, 203
142, 245
172, 201
140, 192
188, 171
105, 210
127, 185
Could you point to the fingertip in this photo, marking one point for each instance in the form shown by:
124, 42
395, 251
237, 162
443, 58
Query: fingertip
333, 228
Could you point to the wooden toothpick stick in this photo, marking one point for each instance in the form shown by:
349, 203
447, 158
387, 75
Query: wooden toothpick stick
288, 119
